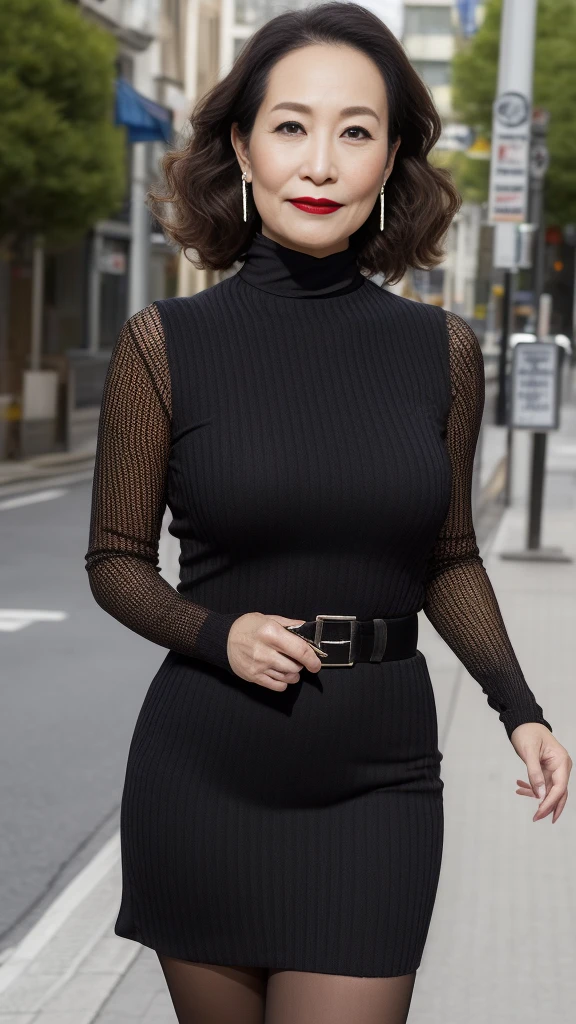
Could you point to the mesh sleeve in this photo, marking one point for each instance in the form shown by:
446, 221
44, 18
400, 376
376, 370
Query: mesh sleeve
129, 500
459, 599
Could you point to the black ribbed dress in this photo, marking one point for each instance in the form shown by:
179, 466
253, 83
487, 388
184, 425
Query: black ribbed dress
313, 437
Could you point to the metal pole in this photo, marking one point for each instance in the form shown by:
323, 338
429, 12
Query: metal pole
140, 228
37, 302
537, 217
507, 326
537, 477
517, 35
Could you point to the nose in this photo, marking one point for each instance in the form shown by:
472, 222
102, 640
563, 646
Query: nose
319, 164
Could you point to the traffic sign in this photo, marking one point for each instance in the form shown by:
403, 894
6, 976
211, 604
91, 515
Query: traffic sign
539, 161
508, 198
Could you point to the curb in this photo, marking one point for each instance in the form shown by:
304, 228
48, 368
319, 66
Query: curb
44, 467
66, 967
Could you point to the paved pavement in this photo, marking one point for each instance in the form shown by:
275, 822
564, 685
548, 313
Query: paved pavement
502, 943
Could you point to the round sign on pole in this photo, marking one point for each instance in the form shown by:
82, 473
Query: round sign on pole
512, 109
539, 161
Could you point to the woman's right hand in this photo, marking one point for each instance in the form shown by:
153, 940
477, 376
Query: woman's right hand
261, 651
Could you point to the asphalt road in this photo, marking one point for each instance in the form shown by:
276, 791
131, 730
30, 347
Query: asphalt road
70, 694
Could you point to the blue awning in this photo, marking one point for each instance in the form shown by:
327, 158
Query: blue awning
145, 120
467, 12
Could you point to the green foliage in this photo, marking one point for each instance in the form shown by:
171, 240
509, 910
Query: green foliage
475, 75
62, 158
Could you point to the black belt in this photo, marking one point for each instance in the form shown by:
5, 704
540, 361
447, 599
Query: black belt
346, 639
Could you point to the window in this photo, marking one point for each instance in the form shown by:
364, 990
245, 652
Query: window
427, 21
434, 72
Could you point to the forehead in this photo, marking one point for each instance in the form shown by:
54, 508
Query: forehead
328, 76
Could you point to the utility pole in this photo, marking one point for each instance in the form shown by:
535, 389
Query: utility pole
509, 168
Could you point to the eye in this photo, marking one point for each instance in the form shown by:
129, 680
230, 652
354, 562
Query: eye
357, 128
288, 124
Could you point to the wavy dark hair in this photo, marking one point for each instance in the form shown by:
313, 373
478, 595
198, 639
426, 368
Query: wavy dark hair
202, 180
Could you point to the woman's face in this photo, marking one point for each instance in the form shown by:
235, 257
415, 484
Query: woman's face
321, 133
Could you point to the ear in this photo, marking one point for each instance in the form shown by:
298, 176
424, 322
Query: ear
392, 156
241, 150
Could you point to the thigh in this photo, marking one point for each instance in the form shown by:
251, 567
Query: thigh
307, 998
211, 994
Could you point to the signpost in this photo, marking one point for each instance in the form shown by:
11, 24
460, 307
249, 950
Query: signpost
535, 405
509, 167
535, 385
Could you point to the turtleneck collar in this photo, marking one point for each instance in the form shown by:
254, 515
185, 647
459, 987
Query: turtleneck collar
282, 271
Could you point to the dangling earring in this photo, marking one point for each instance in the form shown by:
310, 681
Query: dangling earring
382, 207
244, 195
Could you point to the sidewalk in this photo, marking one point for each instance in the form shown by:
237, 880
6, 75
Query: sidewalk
23, 471
502, 944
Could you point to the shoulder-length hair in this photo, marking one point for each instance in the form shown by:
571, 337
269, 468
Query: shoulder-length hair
202, 180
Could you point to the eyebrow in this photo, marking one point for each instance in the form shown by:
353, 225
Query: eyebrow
305, 109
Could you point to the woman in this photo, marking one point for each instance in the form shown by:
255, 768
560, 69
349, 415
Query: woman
313, 436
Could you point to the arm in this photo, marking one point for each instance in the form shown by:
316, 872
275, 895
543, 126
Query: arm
459, 599
129, 499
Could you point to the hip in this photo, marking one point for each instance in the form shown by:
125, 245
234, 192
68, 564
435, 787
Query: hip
334, 734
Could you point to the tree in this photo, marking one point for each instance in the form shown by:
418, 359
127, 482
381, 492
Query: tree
475, 75
62, 159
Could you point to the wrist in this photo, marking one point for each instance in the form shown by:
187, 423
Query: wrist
527, 729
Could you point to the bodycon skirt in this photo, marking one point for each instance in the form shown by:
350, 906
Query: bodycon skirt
299, 829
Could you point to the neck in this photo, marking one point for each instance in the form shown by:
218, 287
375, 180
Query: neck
273, 267
319, 253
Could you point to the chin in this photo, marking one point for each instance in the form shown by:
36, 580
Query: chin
312, 234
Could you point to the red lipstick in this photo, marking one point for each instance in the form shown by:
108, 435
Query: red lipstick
310, 205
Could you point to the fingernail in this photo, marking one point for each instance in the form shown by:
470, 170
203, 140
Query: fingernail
541, 791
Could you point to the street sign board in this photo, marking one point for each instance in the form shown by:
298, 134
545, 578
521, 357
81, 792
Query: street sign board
535, 385
508, 199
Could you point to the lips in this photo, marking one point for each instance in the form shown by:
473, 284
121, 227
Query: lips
310, 205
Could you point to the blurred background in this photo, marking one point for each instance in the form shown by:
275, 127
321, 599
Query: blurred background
92, 93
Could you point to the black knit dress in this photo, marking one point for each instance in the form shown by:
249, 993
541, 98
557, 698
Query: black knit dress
313, 437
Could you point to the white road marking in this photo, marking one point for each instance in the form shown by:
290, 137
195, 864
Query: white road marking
12, 619
31, 499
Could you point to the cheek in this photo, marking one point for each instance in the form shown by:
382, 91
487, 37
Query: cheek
364, 178
272, 166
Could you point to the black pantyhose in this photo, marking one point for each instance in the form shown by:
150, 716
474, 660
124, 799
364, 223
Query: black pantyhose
210, 994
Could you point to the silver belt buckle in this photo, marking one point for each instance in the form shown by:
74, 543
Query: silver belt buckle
320, 620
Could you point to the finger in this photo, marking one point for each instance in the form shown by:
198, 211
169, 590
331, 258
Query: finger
270, 683
284, 677
535, 772
294, 646
287, 622
521, 782
549, 802
560, 807
281, 663
527, 792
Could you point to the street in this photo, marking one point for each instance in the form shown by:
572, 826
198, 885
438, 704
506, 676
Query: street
71, 693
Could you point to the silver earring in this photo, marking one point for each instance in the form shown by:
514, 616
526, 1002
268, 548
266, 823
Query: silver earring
382, 207
244, 195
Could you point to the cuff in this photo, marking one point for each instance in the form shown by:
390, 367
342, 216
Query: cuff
212, 639
521, 716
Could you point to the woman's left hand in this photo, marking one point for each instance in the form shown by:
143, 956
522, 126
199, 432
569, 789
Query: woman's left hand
549, 765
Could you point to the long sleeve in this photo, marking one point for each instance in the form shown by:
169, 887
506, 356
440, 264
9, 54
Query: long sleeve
129, 500
459, 600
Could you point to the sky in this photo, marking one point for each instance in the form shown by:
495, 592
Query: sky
390, 11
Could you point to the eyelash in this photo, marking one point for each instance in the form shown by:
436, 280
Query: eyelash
355, 127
